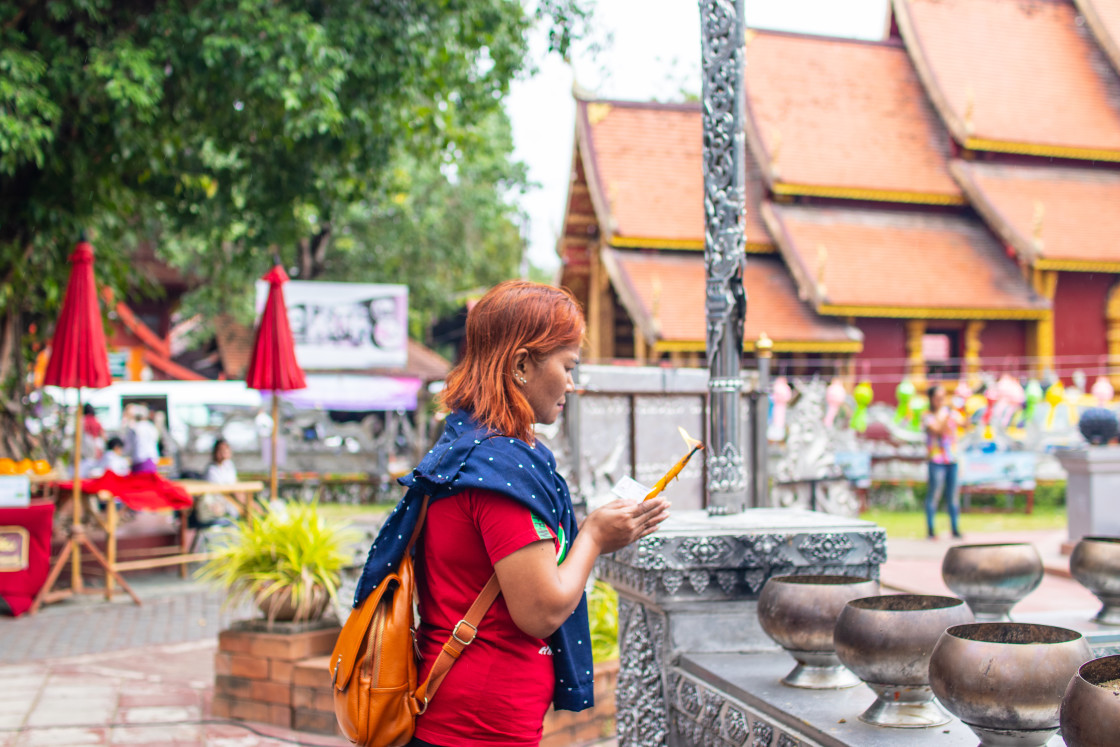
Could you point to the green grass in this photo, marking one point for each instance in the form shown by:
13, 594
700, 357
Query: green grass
353, 512
912, 524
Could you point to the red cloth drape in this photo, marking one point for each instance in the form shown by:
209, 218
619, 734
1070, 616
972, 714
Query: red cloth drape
78, 353
273, 365
141, 491
24, 532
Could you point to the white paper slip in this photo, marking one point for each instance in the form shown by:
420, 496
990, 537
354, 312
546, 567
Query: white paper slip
630, 490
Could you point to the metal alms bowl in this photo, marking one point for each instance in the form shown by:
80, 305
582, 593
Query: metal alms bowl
799, 613
1006, 680
992, 578
1091, 710
887, 642
1095, 563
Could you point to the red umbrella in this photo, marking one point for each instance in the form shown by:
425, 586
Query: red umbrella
273, 366
79, 359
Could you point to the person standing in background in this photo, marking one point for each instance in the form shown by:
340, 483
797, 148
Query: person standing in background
141, 439
941, 425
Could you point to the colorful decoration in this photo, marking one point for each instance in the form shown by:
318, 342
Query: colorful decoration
1055, 395
903, 393
1033, 394
918, 407
780, 394
863, 394
1103, 391
834, 396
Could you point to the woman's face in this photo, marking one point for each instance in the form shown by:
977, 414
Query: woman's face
938, 398
548, 381
222, 453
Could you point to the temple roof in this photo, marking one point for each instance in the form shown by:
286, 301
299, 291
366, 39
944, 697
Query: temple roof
664, 294
1103, 18
1015, 77
844, 118
862, 262
645, 172
1055, 218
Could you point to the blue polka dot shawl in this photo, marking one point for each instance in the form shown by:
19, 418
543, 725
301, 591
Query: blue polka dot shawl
467, 456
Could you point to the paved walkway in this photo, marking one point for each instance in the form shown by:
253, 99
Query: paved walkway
89, 672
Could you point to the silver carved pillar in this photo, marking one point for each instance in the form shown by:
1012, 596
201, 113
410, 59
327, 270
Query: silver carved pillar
722, 43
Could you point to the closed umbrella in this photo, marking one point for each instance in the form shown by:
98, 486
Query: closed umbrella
78, 359
273, 366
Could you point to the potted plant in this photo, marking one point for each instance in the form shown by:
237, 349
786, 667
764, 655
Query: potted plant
288, 562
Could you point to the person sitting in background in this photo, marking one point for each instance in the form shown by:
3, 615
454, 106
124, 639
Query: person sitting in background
113, 459
214, 509
221, 469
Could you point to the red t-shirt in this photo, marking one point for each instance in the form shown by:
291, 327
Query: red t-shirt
497, 693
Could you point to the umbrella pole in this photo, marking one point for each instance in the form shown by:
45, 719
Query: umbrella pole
75, 537
272, 496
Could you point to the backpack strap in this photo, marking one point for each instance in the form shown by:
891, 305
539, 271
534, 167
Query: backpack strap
462, 635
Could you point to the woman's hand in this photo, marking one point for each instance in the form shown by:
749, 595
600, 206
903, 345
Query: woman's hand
621, 522
541, 595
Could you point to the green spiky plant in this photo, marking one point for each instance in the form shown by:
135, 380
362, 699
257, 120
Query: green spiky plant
289, 557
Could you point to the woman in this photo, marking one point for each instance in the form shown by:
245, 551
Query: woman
214, 508
941, 425
221, 469
497, 506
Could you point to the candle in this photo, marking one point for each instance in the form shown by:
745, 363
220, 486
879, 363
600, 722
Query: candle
693, 447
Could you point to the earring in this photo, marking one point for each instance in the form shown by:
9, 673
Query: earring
521, 379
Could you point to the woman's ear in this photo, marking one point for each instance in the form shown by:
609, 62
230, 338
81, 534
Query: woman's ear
520, 360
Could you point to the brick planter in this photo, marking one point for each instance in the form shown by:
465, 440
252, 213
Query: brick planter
253, 669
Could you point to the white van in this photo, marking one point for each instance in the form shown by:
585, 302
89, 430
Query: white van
186, 403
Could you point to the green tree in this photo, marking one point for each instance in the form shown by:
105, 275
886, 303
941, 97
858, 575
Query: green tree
440, 228
226, 132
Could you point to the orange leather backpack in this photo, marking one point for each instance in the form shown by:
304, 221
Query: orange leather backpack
374, 663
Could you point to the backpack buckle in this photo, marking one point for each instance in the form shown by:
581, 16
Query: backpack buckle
455, 633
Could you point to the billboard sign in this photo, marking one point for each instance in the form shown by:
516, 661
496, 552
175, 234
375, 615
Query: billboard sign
346, 325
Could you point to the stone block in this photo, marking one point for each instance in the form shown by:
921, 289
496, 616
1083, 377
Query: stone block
268, 691
280, 671
313, 672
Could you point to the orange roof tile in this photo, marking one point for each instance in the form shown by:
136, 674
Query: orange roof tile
1049, 214
645, 171
902, 264
1019, 77
1103, 18
664, 294
845, 115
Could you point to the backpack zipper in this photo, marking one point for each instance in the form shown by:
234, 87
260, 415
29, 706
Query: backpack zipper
373, 654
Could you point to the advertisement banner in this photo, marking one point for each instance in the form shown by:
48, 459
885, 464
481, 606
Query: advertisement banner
346, 325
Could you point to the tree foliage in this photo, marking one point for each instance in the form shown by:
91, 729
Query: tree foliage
227, 131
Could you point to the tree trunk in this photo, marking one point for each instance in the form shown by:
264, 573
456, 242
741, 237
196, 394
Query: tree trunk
15, 441
313, 253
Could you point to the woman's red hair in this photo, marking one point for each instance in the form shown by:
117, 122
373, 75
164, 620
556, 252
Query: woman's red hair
512, 315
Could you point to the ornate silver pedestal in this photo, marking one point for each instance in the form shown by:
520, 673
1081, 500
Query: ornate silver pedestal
693, 588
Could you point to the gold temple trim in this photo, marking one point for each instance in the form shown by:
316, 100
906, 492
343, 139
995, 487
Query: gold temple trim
789, 346
1077, 265
1038, 149
630, 242
877, 195
909, 312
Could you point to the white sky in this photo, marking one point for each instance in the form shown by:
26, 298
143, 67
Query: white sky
648, 49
